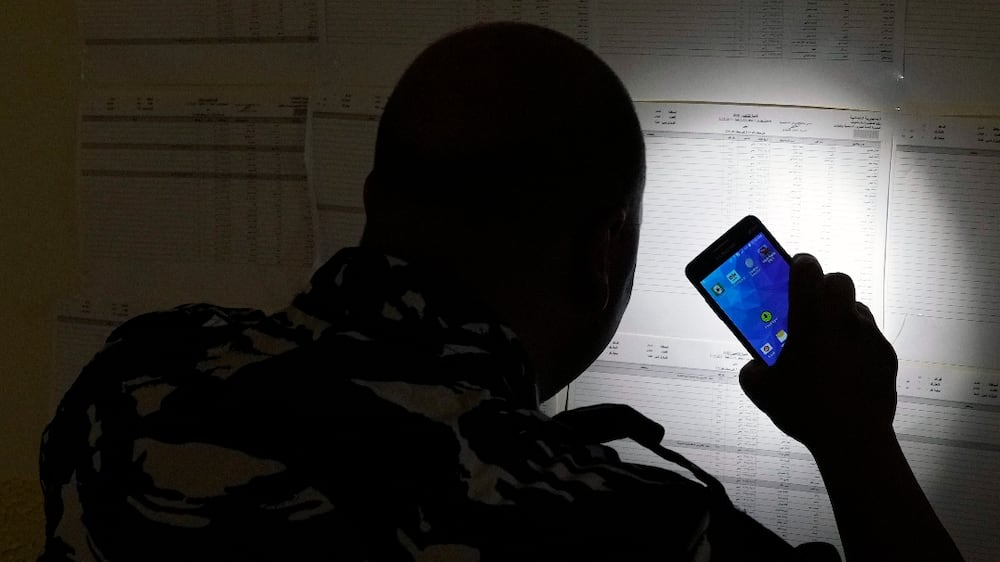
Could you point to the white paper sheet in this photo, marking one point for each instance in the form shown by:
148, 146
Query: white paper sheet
690, 387
189, 41
372, 43
199, 192
790, 52
951, 59
339, 230
817, 178
946, 424
343, 123
943, 255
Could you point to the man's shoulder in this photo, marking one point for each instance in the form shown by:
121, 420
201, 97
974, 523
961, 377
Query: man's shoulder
196, 325
193, 337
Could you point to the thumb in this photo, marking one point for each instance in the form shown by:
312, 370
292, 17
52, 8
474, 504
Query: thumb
756, 379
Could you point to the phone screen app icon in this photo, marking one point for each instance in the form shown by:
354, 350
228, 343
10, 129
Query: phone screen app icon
782, 336
733, 277
718, 289
766, 348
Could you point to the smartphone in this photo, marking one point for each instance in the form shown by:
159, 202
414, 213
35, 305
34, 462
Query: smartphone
744, 278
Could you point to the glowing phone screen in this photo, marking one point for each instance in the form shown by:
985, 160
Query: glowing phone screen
751, 287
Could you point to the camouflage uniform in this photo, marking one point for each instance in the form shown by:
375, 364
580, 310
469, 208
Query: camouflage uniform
370, 420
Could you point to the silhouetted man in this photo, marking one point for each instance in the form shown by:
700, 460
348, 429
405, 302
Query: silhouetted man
391, 412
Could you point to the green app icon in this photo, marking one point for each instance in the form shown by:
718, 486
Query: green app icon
766, 316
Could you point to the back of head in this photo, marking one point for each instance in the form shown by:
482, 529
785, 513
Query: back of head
504, 127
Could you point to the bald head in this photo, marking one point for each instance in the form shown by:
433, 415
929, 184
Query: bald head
507, 124
509, 159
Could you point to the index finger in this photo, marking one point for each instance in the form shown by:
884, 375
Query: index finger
805, 290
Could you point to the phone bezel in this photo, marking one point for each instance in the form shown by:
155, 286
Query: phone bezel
738, 236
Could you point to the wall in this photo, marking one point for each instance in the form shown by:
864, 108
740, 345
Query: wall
39, 80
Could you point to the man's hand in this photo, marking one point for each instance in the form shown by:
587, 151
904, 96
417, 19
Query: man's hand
834, 389
835, 380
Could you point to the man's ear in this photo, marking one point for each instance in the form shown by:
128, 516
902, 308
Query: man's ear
604, 249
